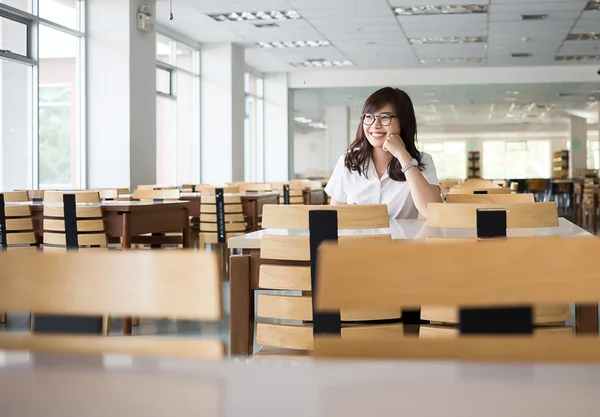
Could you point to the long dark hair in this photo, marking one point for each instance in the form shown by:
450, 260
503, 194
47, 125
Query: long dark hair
358, 156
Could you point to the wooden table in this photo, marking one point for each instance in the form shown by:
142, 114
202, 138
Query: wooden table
252, 204
244, 270
33, 384
124, 219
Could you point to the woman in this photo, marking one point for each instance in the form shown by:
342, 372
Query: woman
383, 165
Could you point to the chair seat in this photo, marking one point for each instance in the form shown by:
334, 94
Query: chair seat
281, 353
433, 331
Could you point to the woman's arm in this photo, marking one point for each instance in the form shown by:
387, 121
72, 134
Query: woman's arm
422, 192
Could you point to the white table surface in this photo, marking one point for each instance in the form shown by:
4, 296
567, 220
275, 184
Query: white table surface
413, 229
114, 385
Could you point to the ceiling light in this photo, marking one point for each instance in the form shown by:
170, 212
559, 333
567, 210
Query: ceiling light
270, 15
521, 54
592, 36
266, 25
440, 10
322, 63
448, 39
536, 16
301, 119
293, 44
318, 125
453, 61
512, 92
593, 5
577, 58
510, 98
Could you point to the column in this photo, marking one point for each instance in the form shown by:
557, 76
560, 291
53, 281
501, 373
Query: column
338, 135
121, 96
578, 138
276, 127
223, 113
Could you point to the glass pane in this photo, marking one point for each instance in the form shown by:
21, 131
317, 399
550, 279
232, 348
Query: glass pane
516, 146
165, 141
164, 49
63, 12
24, 5
16, 111
187, 58
13, 36
450, 158
188, 138
58, 109
494, 157
163, 81
593, 154
539, 159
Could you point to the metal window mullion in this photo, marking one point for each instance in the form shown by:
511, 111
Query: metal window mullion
165, 95
26, 18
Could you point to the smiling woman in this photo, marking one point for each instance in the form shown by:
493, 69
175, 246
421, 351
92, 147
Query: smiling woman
378, 166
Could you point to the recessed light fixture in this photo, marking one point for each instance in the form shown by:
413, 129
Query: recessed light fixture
301, 119
266, 25
293, 44
510, 98
536, 16
593, 5
512, 92
438, 10
322, 63
453, 61
448, 39
592, 36
577, 58
521, 54
318, 125
267, 15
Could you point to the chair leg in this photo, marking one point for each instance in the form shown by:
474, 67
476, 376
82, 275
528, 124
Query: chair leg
3, 317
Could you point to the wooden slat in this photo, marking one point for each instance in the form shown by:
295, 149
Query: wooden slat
17, 211
227, 199
19, 224
490, 198
162, 194
15, 196
229, 217
177, 284
211, 189
82, 225
228, 208
208, 237
87, 239
284, 307
471, 190
156, 187
27, 238
229, 227
139, 345
293, 193
80, 196
278, 216
556, 271
255, 187
581, 349
541, 314
81, 211
432, 331
277, 277
36, 194
517, 216
293, 200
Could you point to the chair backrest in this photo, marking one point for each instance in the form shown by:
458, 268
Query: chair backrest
248, 186
490, 198
111, 193
286, 265
483, 279
234, 222
295, 194
158, 284
162, 194
518, 215
16, 224
36, 195
73, 219
156, 187
478, 190
212, 189
479, 182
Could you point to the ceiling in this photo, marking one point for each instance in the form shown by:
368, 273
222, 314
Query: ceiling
369, 34
468, 104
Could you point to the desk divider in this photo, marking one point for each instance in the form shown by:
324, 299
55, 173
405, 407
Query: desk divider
323, 226
3, 242
286, 194
220, 201
491, 223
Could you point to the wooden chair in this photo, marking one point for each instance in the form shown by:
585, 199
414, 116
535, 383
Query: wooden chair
490, 198
589, 215
255, 187
287, 267
484, 279
157, 240
112, 194
156, 187
295, 194
35, 195
183, 285
145, 194
539, 188
62, 230
478, 190
210, 189
518, 215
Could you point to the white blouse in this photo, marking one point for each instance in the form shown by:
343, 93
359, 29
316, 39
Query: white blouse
349, 187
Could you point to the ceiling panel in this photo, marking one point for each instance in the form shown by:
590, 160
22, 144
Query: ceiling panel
541, 7
580, 48
442, 21
515, 16
450, 51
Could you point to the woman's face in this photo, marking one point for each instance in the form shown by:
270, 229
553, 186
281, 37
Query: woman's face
378, 132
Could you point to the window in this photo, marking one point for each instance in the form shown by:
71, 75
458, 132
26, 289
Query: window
177, 112
253, 129
516, 159
593, 152
49, 156
450, 158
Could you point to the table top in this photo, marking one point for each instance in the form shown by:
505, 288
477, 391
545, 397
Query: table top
413, 229
80, 385
245, 194
115, 206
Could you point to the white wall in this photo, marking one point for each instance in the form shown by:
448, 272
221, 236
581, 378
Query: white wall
276, 127
310, 152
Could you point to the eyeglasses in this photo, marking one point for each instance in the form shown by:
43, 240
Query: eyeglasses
385, 119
